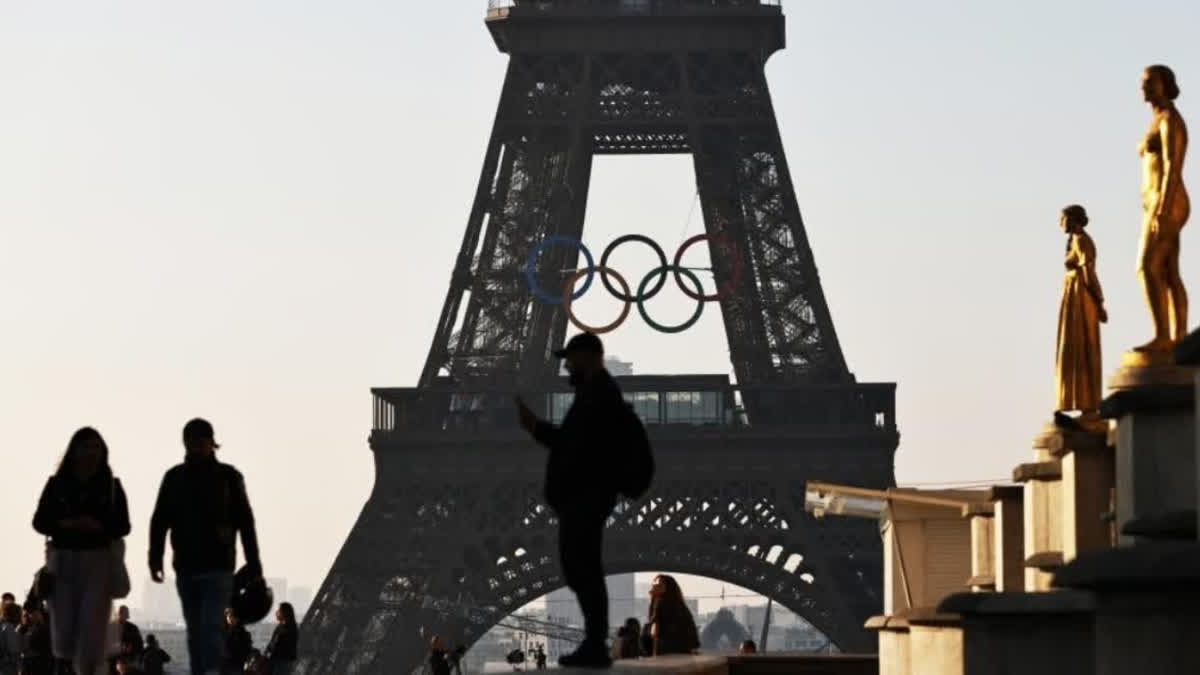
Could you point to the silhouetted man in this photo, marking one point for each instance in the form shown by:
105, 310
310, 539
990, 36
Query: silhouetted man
203, 503
579, 484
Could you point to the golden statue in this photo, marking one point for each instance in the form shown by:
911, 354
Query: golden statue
1166, 206
1077, 364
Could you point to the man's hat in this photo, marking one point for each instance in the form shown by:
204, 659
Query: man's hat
198, 429
584, 342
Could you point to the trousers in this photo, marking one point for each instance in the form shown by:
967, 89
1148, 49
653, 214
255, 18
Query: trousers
80, 607
581, 554
204, 598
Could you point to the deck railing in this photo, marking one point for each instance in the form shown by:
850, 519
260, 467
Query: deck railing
815, 407
501, 8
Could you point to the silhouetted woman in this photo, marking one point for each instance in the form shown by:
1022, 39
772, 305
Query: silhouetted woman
671, 622
238, 644
281, 650
83, 511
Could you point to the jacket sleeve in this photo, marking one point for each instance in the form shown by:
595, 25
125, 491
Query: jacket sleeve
116, 521
161, 521
547, 434
45, 519
243, 520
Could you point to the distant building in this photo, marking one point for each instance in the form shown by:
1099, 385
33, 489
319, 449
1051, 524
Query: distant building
617, 367
622, 603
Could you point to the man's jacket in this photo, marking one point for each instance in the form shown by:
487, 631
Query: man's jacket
203, 503
584, 448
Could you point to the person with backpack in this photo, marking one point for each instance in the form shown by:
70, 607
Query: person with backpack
203, 504
154, 658
599, 451
84, 514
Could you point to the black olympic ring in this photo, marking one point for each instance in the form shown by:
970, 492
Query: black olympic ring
662, 262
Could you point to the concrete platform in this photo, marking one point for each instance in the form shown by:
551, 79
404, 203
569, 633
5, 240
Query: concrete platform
694, 664
724, 664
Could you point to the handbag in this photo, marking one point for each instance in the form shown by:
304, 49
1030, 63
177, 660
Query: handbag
119, 585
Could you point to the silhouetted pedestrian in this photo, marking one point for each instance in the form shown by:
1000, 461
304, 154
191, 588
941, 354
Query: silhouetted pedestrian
154, 658
539, 657
281, 650
647, 642
128, 638
203, 504
628, 642
580, 484
238, 645
36, 658
83, 511
10, 638
671, 622
438, 665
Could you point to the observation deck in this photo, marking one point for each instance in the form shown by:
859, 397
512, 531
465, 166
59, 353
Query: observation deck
531, 26
696, 407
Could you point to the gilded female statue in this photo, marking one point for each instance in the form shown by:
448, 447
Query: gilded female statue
1166, 207
1077, 365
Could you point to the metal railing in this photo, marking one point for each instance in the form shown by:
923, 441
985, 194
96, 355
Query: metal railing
815, 407
500, 8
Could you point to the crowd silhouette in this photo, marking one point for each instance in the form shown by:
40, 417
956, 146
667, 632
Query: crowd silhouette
66, 625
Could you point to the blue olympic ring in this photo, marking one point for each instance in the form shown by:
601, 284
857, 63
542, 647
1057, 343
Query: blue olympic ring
531, 267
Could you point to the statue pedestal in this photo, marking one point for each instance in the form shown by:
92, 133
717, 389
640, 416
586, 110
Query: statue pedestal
980, 519
1147, 606
1087, 486
1153, 403
1027, 633
1043, 521
893, 632
935, 643
1008, 537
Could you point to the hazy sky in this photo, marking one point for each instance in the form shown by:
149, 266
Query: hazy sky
249, 211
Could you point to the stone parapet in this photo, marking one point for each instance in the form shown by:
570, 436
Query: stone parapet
1025, 633
1147, 606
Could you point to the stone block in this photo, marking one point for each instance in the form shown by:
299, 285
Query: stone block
980, 518
893, 634
1147, 606
1025, 633
1043, 521
935, 643
1156, 467
1088, 483
1008, 537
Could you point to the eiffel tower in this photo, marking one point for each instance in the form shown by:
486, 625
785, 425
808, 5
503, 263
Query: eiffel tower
454, 536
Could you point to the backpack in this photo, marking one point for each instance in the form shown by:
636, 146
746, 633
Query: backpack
636, 472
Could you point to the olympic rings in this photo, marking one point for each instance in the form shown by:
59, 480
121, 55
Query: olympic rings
566, 300
699, 304
662, 262
644, 293
531, 267
735, 275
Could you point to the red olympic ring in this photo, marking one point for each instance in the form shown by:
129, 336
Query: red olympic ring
735, 274
568, 291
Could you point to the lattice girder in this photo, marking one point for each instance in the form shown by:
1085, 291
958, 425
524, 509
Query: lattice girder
456, 551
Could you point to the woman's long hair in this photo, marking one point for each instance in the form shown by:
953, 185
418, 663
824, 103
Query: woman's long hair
289, 613
77, 440
670, 601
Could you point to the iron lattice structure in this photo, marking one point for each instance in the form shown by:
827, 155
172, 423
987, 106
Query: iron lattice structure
454, 537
